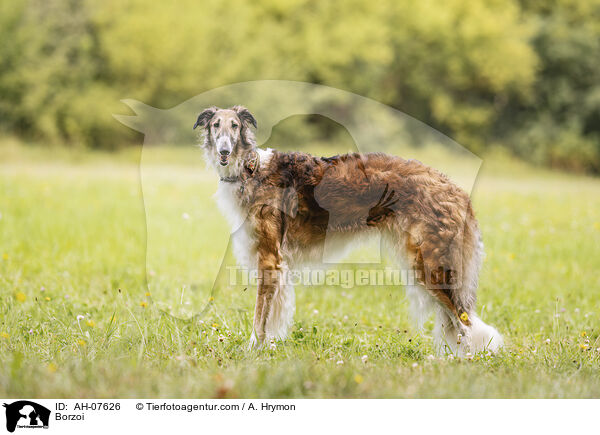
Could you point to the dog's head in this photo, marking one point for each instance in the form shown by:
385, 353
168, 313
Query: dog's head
227, 135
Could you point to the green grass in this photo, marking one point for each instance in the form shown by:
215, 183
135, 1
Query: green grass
73, 234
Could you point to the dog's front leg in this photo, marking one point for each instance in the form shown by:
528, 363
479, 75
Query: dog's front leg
269, 270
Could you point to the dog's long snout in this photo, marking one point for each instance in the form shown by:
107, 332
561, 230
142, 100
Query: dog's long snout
224, 145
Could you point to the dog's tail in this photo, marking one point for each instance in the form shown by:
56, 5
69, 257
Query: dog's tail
484, 336
476, 337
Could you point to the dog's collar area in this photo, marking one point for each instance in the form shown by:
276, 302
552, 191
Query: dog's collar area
251, 166
230, 179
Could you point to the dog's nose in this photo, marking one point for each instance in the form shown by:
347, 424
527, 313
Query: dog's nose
224, 152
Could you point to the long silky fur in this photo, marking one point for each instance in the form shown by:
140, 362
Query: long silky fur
282, 215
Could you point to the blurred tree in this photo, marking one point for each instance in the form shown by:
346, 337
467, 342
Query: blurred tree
560, 124
454, 66
519, 73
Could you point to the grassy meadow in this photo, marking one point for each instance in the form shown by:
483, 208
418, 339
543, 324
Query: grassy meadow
80, 315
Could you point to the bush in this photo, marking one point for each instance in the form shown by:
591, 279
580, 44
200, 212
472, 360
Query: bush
525, 74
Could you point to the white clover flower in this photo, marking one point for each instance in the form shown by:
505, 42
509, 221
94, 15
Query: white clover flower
364, 359
80, 317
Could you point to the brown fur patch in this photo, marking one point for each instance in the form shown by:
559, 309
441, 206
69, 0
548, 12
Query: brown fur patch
349, 192
294, 200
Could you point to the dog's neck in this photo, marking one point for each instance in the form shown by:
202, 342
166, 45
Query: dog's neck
245, 169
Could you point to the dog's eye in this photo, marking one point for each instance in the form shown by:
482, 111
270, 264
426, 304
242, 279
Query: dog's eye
234, 125
216, 124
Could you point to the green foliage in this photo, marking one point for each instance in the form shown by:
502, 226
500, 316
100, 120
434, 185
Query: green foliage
522, 74
560, 124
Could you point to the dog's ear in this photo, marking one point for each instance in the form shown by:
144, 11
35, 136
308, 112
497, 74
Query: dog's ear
205, 117
245, 116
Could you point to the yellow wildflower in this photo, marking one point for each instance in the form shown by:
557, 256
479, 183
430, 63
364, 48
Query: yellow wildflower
211, 299
583, 334
464, 317
91, 323
81, 343
147, 294
5, 256
52, 367
4, 335
47, 299
584, 346
358, 379
143, 304
20, 296
215, 325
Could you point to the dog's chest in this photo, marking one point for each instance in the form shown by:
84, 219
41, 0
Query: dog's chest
242, 236
228, 201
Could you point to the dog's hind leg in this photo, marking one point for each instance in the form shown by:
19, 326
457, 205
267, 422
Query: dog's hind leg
445, 263
421, 302
437, 268
450, 273
424, 301
426, 290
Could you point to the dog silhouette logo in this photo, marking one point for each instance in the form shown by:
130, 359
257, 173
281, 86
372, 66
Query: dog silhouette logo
26, 414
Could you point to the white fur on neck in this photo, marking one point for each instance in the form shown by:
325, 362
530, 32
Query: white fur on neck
226, 194
227, 200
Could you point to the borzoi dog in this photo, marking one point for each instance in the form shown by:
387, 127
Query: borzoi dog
289, 202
